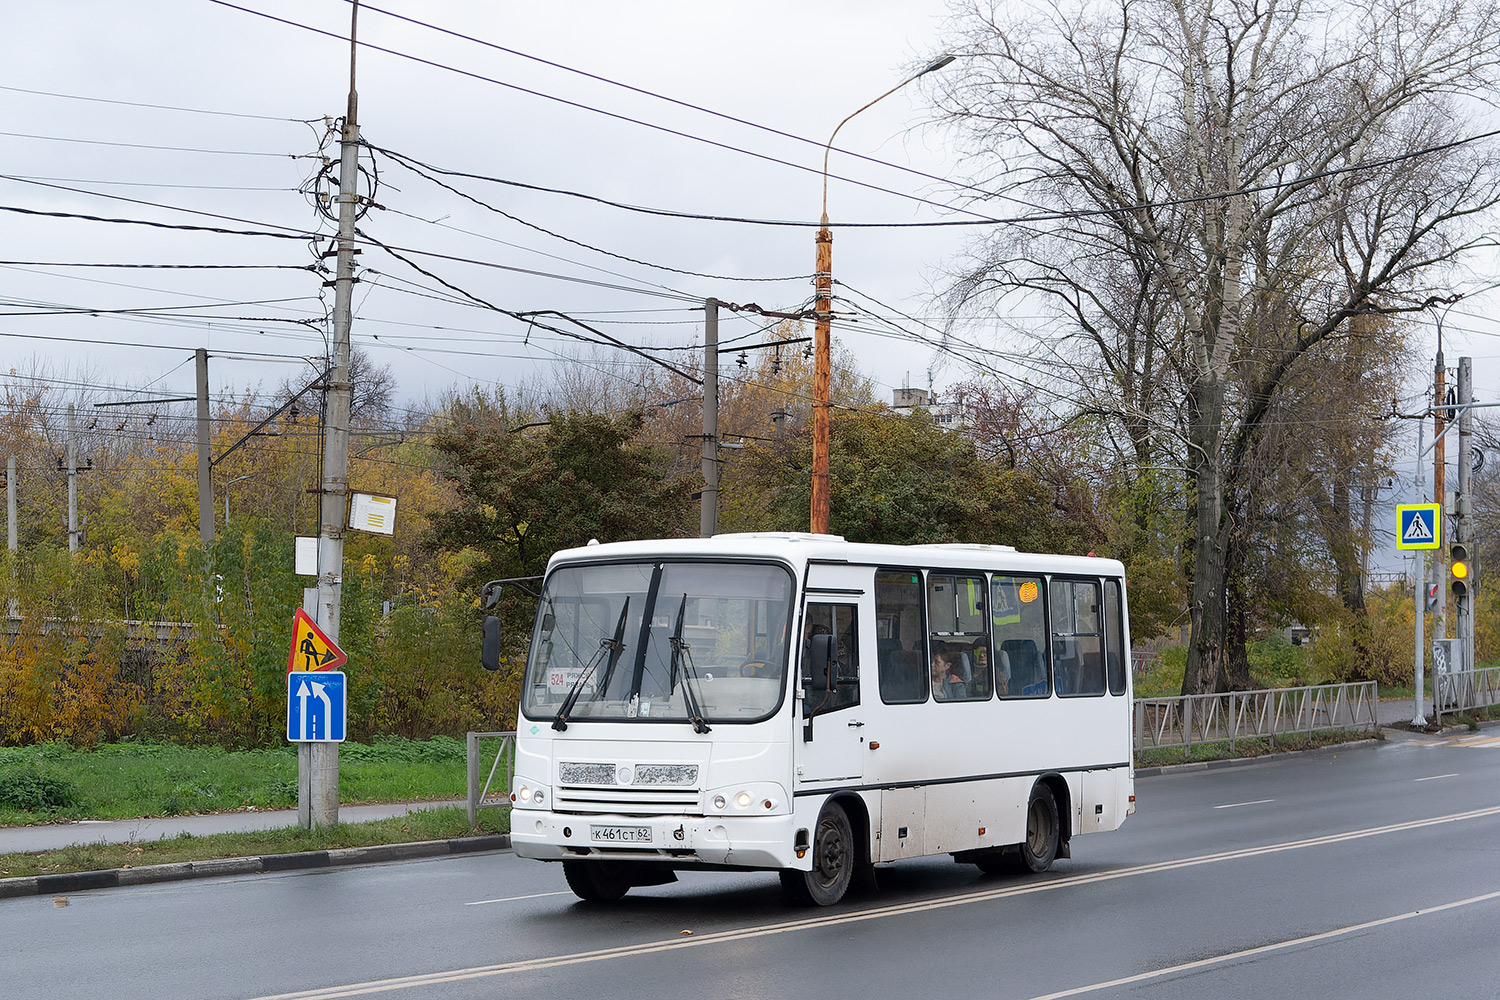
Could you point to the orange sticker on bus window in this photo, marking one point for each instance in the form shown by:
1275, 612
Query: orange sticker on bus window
1027, 592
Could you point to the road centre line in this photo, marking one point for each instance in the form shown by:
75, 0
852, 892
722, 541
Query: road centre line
901, 909
1265, 949
514, 899
1435, 777
1236, 805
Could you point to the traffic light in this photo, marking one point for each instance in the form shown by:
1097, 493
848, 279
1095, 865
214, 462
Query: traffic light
1460, 571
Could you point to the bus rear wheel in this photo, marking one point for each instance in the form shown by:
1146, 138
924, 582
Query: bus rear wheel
833, 862
1043, 832
596, 881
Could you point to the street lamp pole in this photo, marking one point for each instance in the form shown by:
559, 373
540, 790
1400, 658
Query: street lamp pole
823, 308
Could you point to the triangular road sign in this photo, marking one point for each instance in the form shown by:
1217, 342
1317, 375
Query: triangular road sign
311, 649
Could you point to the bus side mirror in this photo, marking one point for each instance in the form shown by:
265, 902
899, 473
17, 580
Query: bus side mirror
822, 657
489, 652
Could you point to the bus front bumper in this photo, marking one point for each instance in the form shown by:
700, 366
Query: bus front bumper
685, 841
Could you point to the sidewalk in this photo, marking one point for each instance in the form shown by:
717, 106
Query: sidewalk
18, 839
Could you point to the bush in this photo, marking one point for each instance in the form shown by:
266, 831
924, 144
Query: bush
31, 790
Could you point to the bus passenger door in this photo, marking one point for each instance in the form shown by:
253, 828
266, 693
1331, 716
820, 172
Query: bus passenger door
831, 741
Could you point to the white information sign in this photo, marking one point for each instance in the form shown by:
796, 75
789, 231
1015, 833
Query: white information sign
368, 512
307, 556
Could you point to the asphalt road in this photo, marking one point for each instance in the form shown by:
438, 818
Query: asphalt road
1370, 873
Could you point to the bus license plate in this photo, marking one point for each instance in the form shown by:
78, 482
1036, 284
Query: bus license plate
621, 834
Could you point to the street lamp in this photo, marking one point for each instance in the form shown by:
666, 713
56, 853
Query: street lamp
226, 496
822, 308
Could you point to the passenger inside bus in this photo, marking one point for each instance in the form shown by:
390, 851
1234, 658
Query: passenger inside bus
946, 683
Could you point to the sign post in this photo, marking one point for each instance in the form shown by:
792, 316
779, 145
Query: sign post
317, 710
1419, 527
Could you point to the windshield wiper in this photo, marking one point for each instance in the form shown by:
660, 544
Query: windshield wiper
682, 654
613, 646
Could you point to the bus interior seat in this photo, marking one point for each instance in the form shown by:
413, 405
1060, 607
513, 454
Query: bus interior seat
1027, 671
902, 678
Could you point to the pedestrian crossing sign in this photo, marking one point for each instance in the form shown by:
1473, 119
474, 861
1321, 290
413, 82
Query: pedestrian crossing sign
1419, 526
311, 649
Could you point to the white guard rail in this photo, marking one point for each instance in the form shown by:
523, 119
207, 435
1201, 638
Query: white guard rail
1235, 715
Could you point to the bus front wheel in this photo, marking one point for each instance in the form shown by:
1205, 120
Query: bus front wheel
595, 881
833, 862
1039, 849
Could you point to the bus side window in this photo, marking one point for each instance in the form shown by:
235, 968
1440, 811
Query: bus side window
835, 689
1018, 623
903, 633
1114, 633
1077, 638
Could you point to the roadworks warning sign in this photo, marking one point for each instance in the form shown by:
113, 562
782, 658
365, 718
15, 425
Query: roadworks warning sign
311, 649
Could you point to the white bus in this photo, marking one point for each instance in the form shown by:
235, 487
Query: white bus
801, 704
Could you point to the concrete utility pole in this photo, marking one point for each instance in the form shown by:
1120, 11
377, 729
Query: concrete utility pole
335, 490
205, 444
708, 521
1439, 485
72, 483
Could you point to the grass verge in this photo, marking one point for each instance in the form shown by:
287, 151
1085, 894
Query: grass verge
446, 823
51, 782
1256, 747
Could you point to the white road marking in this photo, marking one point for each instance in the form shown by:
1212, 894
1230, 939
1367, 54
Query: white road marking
1236, 805
1235, 956
512, 899
920, 906
1435, 777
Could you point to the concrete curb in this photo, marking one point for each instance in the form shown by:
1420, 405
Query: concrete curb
1214, 765
109, 878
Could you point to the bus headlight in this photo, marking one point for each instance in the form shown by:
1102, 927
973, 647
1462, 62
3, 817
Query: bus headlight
755, 798
528, 796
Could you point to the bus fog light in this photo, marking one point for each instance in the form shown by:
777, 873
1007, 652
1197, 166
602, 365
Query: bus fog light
719, 802
537, 797
524, 794
742, 799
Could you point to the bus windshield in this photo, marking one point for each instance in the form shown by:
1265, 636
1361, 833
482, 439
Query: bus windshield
714, 634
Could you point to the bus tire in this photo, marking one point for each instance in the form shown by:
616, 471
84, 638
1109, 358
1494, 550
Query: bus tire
833, 862
595, 881
1043, 831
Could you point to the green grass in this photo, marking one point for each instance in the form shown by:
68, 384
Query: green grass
1256, 747
132, 780
444, 823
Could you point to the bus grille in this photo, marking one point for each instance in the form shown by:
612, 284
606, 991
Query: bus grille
628, 801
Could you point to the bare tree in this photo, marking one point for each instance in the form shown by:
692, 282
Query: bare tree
1268, 170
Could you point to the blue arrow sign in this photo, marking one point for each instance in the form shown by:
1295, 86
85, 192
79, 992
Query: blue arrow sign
316, 709
1418, 526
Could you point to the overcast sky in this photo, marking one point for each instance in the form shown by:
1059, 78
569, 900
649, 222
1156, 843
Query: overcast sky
795, 67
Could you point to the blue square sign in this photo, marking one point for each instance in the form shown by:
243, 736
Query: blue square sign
1419, 526
316, 709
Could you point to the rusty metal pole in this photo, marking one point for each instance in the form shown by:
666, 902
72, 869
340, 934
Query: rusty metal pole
823, 307
822, 376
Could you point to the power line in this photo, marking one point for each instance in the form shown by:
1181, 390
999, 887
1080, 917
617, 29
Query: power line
600, 111
166, 149
160, 107
690, 106
408, 163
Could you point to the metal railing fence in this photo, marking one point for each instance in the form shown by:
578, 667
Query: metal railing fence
1179, 721
485, 795
1461, 690
1184, 720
